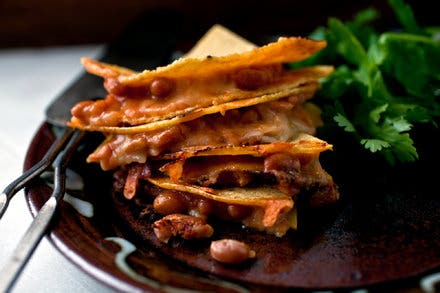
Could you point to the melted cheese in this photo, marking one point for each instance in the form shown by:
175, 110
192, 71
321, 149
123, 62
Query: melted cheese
265, 123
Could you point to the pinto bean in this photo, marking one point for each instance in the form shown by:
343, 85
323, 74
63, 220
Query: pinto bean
204, 207
187, 227
161, 87
114, 87
199, 206
251, 79
169, 202
230, 251
238, 211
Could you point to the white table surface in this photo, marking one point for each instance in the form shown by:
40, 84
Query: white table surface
29, 80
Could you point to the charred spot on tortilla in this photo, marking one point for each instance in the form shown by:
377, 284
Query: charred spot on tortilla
227, 138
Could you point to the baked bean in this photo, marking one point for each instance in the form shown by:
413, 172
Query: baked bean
251, 79
161, 87
204, 206
169, 202
113, 86
230, 251
199, 207
187, 227
238, 211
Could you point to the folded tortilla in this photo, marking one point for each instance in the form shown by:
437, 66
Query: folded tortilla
198, 87
184, 128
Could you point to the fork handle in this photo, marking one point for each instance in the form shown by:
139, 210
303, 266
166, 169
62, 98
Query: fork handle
38, 227
27, 245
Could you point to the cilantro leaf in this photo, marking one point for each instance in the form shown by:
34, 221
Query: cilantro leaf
374, 145
384, 82
344, 123
405, 16
348, 46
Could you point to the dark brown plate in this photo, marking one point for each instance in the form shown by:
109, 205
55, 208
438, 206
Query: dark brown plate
384, 233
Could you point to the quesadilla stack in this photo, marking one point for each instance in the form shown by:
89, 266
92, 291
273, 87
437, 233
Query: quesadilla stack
228, 137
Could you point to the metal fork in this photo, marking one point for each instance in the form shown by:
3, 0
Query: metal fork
33, 172
129, 50
22, 253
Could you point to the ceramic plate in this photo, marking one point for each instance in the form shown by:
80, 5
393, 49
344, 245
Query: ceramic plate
385, 232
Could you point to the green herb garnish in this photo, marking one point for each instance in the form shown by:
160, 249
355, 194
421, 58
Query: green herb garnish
384, 82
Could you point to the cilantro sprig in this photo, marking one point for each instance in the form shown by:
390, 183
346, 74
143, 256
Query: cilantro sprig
384, 83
